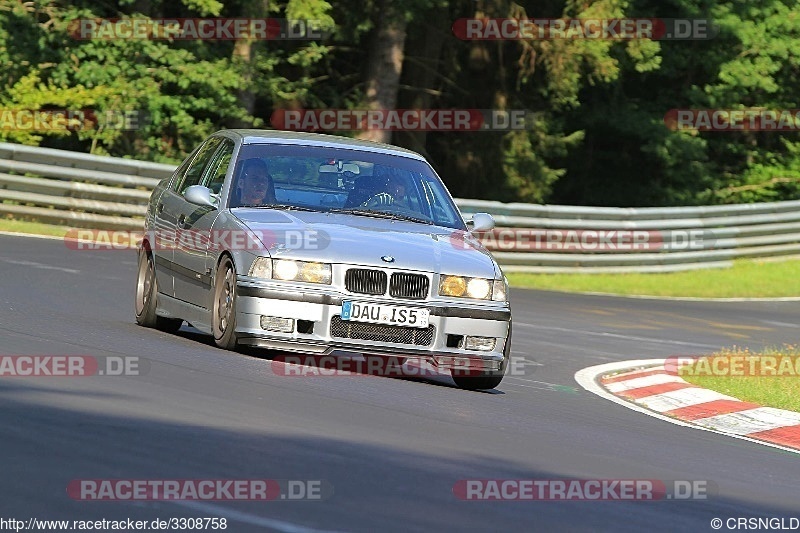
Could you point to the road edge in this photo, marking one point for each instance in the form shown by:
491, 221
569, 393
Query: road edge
589, 379
31, 235
668, 298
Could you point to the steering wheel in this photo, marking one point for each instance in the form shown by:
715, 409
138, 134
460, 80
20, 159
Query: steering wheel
378, 200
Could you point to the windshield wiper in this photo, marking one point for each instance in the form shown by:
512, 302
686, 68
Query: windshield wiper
286, 207
382, 214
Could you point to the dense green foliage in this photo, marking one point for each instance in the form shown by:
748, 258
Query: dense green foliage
599, 137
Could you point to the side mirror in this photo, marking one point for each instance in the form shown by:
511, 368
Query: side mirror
481, 222
199, 195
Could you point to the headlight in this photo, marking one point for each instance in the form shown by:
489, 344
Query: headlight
477, 288
288, 270
261, 268
315, 272
285, 270
452, 286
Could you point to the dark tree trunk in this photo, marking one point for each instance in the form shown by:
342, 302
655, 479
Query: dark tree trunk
423, 71
243, 55
385, 63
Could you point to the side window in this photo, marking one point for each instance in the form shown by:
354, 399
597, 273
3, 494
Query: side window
195, 170
215, 175
178, 176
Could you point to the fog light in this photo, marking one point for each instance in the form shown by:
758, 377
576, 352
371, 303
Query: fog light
482, 344
274, 323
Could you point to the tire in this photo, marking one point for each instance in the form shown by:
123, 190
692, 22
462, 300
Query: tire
486, 380
224, 306
146, 299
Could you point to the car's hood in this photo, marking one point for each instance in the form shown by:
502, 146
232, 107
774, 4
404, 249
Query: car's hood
360, 240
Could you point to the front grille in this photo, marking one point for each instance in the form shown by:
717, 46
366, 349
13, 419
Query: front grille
411, 286
365, 281
347, 329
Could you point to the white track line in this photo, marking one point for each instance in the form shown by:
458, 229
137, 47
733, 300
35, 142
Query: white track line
42, 266
31, 235
616, 335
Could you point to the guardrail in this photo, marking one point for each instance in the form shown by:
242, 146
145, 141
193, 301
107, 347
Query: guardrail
82, 190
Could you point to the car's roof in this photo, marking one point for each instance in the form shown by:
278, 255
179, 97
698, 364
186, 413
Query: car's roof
253, 136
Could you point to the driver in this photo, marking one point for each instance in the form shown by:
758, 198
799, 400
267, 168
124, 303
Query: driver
255, 183
397, 188
394, 190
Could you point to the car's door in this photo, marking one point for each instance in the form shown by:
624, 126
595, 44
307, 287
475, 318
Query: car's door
173, 206
162, 238
194, 223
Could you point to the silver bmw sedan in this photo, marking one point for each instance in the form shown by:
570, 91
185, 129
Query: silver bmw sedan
323, 245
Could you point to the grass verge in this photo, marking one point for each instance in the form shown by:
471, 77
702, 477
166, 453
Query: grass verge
770, 378
746, 279
37, 228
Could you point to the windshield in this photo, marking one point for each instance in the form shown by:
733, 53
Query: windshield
342, 181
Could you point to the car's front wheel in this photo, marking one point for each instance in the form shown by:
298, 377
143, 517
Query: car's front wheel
484, 380
146, 294
224, 313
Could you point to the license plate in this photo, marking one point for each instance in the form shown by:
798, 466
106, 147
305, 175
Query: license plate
392, 315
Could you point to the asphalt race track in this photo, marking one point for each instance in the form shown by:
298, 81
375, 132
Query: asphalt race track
391, 448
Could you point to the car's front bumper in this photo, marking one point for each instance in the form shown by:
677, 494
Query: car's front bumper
257, 298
